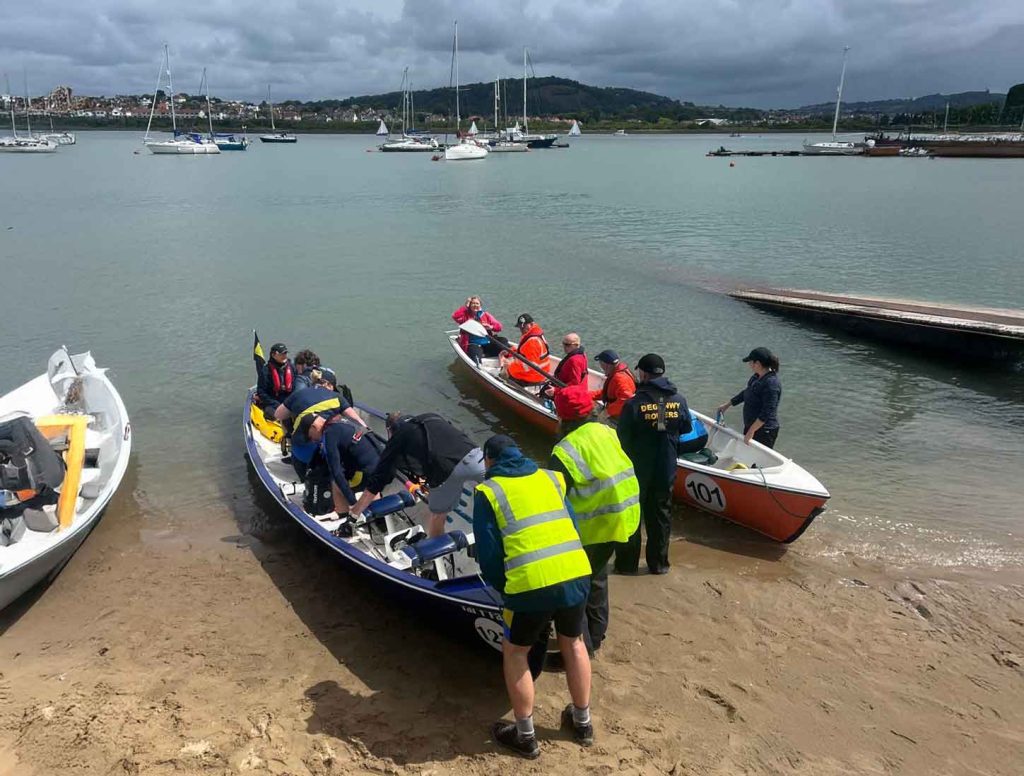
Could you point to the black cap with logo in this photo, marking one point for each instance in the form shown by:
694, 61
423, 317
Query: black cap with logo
652, 363
759, 354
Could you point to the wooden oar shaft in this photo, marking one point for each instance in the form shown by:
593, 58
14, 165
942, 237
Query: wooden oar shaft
477, 329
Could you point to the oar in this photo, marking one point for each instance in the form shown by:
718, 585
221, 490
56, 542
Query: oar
476, 329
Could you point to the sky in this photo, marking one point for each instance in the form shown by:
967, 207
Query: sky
756, 53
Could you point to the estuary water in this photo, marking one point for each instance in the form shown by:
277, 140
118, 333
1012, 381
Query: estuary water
162, 266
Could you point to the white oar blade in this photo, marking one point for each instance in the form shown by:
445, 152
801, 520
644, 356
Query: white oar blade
473, 327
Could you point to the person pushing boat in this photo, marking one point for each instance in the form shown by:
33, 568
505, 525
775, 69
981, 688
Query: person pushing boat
430, 448
603, 491
649, 429
529, 549
760, 399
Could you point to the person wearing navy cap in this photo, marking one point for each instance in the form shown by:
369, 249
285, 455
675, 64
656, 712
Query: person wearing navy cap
760, 399
277, 379
619, 384
649, 429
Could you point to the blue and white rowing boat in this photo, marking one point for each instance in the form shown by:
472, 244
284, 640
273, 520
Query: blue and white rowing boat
436, 576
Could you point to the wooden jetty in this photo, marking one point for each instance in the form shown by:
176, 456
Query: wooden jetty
955, 330
726, 152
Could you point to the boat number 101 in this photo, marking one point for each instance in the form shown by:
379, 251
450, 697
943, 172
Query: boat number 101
705, 491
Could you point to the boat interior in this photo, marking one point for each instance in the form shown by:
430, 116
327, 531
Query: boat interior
725, 451
394, 528
61, 439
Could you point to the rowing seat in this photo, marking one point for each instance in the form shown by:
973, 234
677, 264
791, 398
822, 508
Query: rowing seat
704, 457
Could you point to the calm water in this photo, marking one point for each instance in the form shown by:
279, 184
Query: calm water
162, 266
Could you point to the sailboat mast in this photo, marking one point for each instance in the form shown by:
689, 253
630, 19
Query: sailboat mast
458, 115
28, 107
412, 108
496, 82
170, 85
839, 94
270, 105
10, 97
152, 108
945, 123
526, 126
209, 110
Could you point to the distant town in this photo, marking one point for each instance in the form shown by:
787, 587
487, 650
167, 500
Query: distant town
555, 103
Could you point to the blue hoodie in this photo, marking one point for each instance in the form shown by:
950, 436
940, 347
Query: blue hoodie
490, 552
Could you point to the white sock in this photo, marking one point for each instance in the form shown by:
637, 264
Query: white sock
525, 727
580, 717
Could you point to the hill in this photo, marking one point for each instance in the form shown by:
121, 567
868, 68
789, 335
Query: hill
931, 103
548, 96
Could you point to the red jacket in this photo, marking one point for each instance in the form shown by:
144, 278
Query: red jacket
534, 347
619, 388
572, 369
464, 314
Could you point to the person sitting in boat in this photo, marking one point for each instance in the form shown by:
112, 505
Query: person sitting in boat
572, 369
277, 380
533, 347
696, 439
542, 573
429, 448
478, 347
760, 399
619, 384
305, 362
348, 450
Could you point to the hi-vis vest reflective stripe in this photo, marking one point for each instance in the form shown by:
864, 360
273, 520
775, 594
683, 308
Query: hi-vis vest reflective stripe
541, 545
605, 493
321, 406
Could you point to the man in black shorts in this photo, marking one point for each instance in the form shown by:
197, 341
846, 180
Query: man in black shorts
529, 549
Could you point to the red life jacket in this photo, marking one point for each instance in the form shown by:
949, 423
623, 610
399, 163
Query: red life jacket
620, 368
276, 381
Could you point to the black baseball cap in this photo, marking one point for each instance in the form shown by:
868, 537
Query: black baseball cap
652, 363
494, 446
524, 319
607, 357
327, 375
278, 347
759, 354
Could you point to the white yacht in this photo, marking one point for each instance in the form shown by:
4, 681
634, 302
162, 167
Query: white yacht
835, 147
188, 144
466, 149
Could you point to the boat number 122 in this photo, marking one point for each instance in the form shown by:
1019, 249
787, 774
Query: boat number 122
706, 492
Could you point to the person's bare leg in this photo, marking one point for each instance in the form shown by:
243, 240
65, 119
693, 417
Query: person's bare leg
518, 680
577, 670
341, 505
435, 524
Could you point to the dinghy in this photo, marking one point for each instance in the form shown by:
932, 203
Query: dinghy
438, 577
748, 484
64, 446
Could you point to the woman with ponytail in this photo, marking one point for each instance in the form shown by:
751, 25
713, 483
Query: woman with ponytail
760, 399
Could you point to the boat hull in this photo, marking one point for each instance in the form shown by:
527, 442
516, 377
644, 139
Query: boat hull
470, 612
754, 498
278, 139
172, 148
28, 147
464, 152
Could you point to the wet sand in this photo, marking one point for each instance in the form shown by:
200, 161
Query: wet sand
228, 643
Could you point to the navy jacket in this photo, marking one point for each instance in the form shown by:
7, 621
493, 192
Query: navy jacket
760, 400
490, 552
426, 446
654, 452
347, 450
306, 397
265, 385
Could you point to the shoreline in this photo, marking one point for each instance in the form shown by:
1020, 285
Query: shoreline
231, 644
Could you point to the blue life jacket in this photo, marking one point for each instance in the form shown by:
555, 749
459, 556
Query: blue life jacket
697, 431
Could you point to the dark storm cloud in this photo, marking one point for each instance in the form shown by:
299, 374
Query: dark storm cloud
757, 52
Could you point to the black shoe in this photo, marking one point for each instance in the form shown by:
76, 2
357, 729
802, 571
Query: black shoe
506, 734
660, 570
627, 572
581, 734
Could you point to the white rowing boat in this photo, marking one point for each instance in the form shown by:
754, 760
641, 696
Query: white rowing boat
65, 436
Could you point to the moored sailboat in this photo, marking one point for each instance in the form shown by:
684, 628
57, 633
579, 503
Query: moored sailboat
274, 136
836, 147
25, 145
466, 149
191, 144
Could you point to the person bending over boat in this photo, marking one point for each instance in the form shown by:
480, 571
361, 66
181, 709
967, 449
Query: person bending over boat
649, 428
760, 399
603, 491
533, 347
619, 383
305, 362
478, 347
431, 449
276, 381
696, 439
348, 450
572, 369
529, 549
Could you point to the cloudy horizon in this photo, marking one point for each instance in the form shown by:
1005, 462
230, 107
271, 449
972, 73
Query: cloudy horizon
765, 54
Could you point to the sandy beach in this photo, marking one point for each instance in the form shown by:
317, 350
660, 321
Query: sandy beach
237, 646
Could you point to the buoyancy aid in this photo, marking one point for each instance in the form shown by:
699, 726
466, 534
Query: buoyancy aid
282, 385
620, 369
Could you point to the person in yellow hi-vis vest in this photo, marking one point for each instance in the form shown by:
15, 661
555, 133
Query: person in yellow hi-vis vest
529, 549
603, 491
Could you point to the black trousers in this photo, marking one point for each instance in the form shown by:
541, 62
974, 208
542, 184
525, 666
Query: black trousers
766, 436
597, 601
656, 520
490, 350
